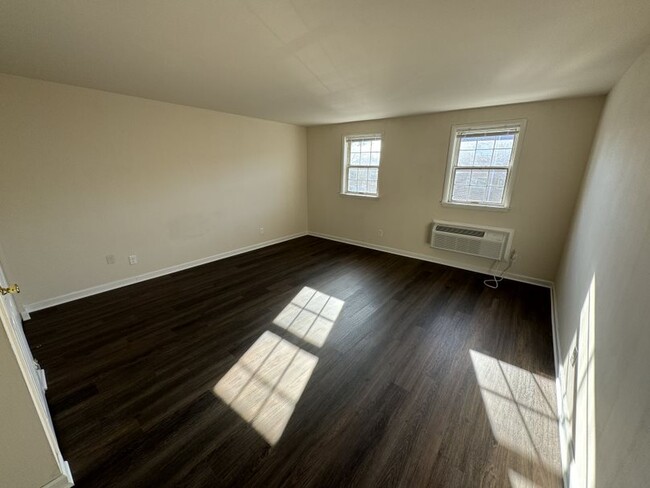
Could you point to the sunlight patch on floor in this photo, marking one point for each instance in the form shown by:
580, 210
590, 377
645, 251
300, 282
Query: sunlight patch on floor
264, 386
521, 409
310, 315
519, 481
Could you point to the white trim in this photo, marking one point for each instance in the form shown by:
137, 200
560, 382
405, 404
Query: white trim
346, 163
452, 157
64, 480
432, 259
94, 290
562, 407
25, 315
473, 206
360, 195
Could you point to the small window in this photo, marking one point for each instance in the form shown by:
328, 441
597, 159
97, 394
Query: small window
482, 159
361, 159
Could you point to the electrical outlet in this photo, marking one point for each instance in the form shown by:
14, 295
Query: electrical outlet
133, 259
110, 259
380, 232
261, 230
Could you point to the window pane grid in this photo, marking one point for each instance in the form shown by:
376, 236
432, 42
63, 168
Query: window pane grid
485, 186
362, 179
481, 164
364, 152
363, 156
485, 150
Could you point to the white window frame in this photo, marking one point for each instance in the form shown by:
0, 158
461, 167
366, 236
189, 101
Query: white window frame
346, 163
452, 159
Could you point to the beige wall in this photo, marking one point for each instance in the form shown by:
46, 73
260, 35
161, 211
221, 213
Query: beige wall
555, 150
86, 173
26, 460
610, 244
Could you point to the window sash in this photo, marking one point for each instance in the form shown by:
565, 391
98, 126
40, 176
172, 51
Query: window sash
514, 128
484, 203
348, 140
347, 180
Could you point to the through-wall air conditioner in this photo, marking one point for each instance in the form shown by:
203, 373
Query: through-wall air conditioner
486, 242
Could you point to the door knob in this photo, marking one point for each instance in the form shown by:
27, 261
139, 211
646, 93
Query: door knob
11, 289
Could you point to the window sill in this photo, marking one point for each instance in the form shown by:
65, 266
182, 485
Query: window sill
359, 195
471, 206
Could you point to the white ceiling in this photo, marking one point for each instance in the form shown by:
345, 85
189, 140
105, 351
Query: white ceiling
322, 61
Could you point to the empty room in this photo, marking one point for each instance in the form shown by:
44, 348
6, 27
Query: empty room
291, 243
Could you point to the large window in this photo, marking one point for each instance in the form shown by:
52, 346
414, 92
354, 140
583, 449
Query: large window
361, 159
482, 159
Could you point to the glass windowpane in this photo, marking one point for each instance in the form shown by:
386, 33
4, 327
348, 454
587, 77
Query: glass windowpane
495, 194
482, 158
460, 190
460, 193
477, 193
467, 143
498, 177
501, 157
505, 141
485, 143
465, 158
479, 177
462, 177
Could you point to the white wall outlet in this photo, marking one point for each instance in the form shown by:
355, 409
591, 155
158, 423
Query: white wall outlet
133, 259
261, 230
380, 232
110, 259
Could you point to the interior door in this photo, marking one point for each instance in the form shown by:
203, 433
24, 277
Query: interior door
34, 376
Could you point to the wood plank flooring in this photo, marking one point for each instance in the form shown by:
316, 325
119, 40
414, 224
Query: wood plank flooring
387, 371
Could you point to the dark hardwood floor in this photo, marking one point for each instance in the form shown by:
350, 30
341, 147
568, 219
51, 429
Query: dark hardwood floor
426, 378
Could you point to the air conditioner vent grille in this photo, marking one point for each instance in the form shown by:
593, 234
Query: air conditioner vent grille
459, 230
487, 242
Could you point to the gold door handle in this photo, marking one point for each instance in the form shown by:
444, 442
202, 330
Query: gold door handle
11, 289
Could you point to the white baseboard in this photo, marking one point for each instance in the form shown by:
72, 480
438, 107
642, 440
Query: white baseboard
94, 290
64, 480
562, 408
432, 259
